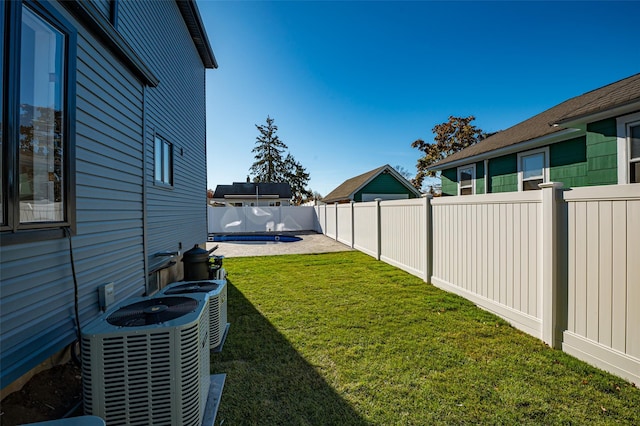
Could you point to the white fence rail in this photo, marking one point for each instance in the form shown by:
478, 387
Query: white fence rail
261, 219
563, 266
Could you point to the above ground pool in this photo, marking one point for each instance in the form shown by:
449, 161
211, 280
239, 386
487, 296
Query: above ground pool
256, 238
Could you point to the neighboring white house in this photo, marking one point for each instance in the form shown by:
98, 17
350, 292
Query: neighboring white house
252, 194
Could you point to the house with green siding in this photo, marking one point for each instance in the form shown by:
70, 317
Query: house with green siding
592, 139
384, 183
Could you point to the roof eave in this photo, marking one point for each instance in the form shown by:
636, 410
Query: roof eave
191, 16
518, 147
238, 196
102, 29
579, 121
401, 179
404, 181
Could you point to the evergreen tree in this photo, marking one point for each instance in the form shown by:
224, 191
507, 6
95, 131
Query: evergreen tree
298, 178
269, 164
271, 167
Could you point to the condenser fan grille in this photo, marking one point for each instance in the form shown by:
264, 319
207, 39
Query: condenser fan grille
193, 287
152, 311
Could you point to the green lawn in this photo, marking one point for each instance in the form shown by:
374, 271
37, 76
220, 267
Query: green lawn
342, 339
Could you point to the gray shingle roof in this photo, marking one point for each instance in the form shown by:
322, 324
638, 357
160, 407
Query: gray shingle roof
345, 190
238, 189
615, 95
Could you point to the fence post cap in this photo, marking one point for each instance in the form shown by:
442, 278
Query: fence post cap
555, 185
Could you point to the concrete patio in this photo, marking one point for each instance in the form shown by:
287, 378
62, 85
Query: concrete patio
312, 242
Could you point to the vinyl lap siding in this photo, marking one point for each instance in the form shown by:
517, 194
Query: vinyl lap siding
103, 6
480, 177
383, 184
36, 307
109, 171
582, 161
449, 181
503, 173
568, 162
175, 111
602, 160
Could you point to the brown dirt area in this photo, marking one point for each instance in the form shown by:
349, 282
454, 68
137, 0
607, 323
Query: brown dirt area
49, 395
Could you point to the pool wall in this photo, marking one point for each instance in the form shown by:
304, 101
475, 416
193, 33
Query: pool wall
256, 237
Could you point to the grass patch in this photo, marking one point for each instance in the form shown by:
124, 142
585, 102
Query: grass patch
341, 338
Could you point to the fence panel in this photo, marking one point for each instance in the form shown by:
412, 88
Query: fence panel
331, 221
365, 228
563, 268
345, 224
261, 219
321, 213
297, 218
403, 234
487, 248
603, 277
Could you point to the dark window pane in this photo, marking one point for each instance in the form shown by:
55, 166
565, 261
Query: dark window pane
158, 160
634, 172
531, 185
166, 163
41, 152
163, 157
466, 191
466, 176
635, 142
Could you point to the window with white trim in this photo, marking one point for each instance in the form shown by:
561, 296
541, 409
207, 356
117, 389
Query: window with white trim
628, 130
466, 180
163, 162
533, 169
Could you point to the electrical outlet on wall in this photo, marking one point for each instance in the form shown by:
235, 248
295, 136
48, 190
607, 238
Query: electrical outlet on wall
106, 295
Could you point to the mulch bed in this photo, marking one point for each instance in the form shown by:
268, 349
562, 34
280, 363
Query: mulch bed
50, 395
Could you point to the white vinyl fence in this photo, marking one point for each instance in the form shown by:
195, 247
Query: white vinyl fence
365, 228
224, 220
403, 234
344, 224
603, 285
488, 249
561, 265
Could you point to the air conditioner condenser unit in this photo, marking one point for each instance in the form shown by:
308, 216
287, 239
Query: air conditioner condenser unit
146, 362
216, 291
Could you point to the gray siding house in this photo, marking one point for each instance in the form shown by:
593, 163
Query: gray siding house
103, 162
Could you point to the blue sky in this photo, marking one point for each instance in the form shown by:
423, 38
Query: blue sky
352, 84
